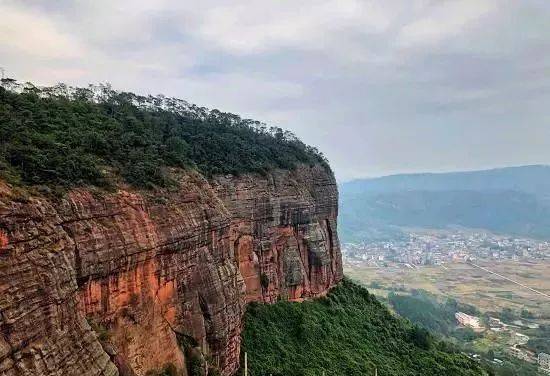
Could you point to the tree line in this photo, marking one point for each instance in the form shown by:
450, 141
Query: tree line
67, 137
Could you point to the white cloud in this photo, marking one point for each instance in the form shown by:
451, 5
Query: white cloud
377, 85
31, 34
254, 27
442, 20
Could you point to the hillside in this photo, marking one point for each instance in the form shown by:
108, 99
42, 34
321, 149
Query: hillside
510, 200
346, 333
531, 179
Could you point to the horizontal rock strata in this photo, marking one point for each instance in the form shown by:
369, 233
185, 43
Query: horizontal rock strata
99, 283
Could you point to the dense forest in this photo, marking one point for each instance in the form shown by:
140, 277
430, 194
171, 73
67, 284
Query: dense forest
62, 136
346, 333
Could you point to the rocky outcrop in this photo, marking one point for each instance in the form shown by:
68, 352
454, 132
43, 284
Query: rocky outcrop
99, 283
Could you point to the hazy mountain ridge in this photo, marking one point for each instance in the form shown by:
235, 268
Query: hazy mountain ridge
509, 200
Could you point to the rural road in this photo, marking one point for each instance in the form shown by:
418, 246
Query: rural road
511, 280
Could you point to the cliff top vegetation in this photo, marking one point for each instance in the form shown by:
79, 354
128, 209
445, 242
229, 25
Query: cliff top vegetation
64, 136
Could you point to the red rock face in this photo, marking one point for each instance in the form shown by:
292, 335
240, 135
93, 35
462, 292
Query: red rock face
149, 269
284, 227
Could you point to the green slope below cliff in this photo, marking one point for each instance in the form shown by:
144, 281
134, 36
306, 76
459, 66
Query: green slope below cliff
346, 333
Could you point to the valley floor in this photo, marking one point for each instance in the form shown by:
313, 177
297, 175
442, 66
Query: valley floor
469, 284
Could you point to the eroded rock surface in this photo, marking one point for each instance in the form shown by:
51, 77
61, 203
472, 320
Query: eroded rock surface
115, 283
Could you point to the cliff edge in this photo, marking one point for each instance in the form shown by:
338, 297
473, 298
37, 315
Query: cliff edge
127, 281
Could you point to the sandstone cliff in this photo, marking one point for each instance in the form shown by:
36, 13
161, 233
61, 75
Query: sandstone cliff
99, 283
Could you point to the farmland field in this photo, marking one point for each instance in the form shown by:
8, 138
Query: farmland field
468, 284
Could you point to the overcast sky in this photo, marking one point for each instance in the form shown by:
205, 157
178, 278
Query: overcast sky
379, 86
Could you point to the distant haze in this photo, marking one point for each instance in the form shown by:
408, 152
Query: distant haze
531, 179
508, 201
379, 86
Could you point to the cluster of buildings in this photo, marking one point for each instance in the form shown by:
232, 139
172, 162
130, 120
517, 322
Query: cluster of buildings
468, 320
516, 342
441, 246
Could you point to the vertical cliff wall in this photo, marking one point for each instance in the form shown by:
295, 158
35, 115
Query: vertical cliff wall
284, 232
126, 282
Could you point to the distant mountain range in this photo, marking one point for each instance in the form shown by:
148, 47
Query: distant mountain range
514, 200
